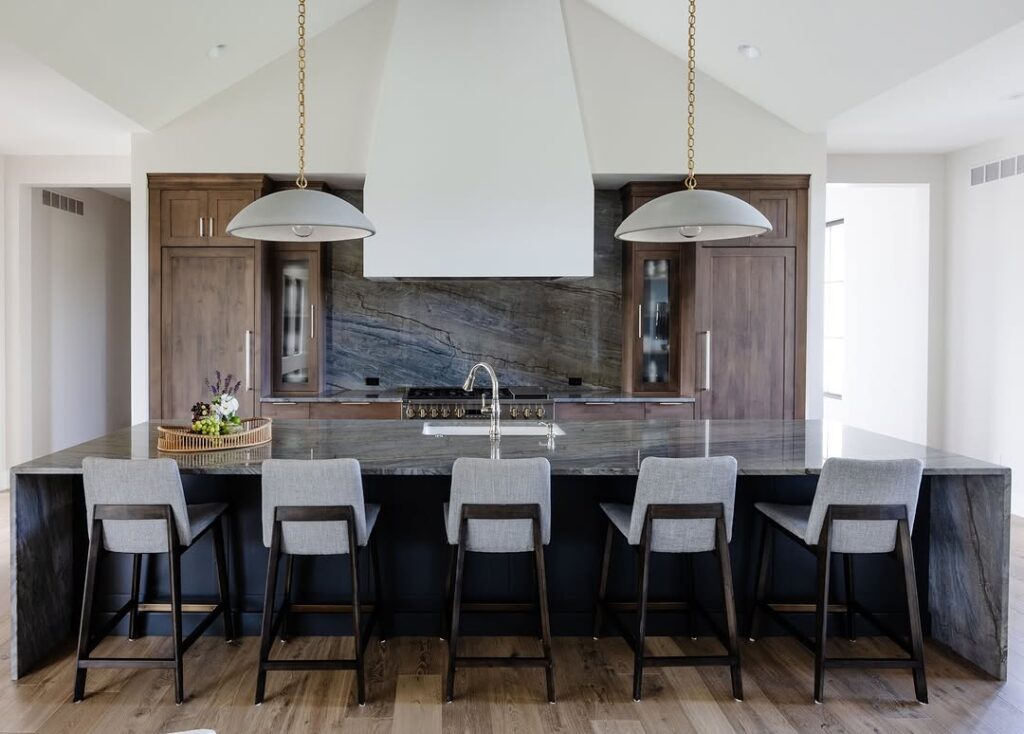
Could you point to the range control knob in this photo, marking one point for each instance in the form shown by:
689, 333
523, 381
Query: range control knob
527, 411
410, 412
433, 411
460, 412
513, 412
423, 413
540, 411
445, 411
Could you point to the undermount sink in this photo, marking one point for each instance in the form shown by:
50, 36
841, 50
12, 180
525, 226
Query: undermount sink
467, 428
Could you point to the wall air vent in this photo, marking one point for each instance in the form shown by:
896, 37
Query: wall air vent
1005, 168
64, 203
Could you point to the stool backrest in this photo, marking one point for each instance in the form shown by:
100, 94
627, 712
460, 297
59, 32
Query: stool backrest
313, 483
683, 482
135, 482
863, 482
500, 482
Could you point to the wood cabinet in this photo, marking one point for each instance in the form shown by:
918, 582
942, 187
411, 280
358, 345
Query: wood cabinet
739, 307
204, 294
350, 411
599, 411
285, 410
746, 332
669, 411
295, 274
208, 318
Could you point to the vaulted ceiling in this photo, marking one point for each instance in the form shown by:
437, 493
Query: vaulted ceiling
824, 64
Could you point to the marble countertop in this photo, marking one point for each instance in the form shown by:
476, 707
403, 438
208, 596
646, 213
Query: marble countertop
762, 448
396, 394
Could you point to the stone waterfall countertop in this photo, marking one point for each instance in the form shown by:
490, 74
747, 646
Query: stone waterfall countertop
766, 448
396, 394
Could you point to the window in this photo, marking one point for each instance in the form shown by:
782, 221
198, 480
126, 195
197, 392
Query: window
835, 309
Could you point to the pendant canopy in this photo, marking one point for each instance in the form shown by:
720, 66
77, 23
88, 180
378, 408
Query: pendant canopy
297, 215
693, 215
301, 214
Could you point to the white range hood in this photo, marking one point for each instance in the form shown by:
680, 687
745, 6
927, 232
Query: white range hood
478, 165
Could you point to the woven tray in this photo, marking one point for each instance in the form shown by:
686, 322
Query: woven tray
181, 440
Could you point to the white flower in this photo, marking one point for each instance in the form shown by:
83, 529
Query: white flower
225, 405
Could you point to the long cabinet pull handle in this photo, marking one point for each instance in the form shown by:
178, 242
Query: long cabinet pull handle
312, 314
356, 402
248, 360
707, 360
283, 402
600, 403
639, 321
211, 230
200, 227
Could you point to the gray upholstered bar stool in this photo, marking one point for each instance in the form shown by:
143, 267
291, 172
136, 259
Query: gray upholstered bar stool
499, 506
316, 508
681, 506
859, 507
137, 507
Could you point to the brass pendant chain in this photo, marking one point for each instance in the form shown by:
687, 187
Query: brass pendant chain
691, 180
301, 180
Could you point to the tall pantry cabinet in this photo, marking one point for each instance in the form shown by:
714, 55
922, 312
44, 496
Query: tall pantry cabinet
724, 322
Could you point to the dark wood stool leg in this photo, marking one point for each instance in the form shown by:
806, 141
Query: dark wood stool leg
383, 607
446, 605
642, 581
174, 562
729, 600
289, 570
851, 630
357, 632
545, 625
133, 614
691, 589
269, 593
764, 570
821, 613
602, 589
220, 558
906, 554
85, 624
453, 638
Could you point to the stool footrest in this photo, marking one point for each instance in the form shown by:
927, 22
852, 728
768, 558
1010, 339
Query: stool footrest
126, 663
510, 662
309, 664
690, 660
873, 663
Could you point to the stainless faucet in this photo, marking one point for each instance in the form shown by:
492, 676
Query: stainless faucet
495, 407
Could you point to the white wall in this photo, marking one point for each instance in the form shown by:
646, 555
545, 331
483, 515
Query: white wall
21, 174
81, 350
915, 169
985, 311
885, 386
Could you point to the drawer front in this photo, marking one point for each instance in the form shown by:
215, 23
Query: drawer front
284, 410
669, 411
346, 411
599, 411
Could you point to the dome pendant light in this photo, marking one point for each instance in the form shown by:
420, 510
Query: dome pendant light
299, 214
692, 215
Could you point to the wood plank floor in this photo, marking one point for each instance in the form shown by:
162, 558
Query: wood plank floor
593, 684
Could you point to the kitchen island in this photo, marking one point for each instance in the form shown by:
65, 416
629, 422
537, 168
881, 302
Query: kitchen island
961, 537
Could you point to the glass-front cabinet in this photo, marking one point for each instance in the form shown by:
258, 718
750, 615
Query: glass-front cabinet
296, 317
652, 321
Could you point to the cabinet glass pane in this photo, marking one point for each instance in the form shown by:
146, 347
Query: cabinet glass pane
296, 341
655, 329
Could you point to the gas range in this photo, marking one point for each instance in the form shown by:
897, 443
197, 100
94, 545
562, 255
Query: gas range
454, 403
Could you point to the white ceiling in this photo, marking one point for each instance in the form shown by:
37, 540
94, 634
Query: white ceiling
975, 96
150, 58
819, 58
44, 113
877, 75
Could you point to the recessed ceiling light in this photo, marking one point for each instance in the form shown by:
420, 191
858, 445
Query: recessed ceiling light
749, 51
217, 51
